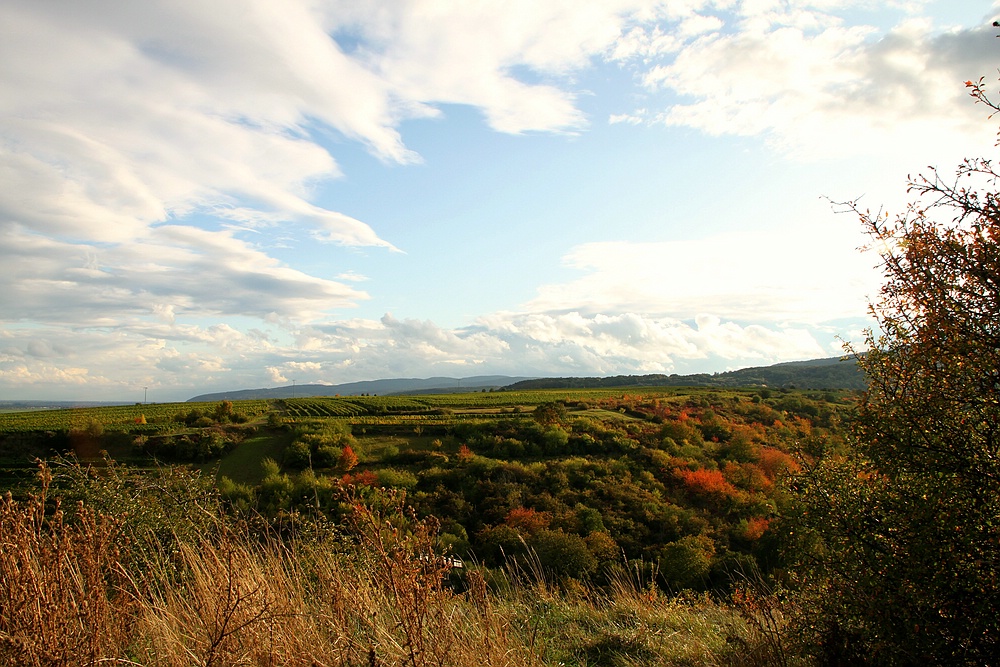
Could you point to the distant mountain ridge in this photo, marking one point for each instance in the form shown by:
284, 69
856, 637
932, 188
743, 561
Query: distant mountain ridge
380, 387
829, 373
33, 405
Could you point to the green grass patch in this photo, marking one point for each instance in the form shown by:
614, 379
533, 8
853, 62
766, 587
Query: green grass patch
243, 463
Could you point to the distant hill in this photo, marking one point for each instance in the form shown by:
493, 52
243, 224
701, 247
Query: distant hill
831, 373
379, 387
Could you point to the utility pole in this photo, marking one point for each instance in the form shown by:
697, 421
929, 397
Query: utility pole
144, 395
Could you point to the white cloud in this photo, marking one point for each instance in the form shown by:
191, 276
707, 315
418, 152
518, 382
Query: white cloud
816, 86
116, 118
178, 361
803, 275
465, 53
174, 271
275, 376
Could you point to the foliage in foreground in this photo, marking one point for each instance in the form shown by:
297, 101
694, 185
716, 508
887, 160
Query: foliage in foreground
82, 586
909, 559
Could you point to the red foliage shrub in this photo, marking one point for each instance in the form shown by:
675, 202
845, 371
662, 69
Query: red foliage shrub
707, 482
362, 478
775, 462
527, 520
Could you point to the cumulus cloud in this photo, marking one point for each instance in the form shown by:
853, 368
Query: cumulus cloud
167, 359
546, 343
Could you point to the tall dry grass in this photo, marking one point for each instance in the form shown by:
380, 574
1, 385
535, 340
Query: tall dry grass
83, 588
64, 596
73, 593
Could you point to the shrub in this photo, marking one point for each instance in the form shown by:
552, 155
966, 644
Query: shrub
391, 477
563, 553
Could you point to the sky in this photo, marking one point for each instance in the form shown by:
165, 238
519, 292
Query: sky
206, 196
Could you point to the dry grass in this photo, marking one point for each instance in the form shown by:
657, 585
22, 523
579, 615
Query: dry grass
73, 592
67, 599
64, 597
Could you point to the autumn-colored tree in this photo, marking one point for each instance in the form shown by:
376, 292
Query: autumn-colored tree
756, 527
910, 529
707, 482
527, 520
348, 459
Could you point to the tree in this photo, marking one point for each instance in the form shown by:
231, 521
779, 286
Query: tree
223, 411
548, 414
348, 459
563, 553
908, 562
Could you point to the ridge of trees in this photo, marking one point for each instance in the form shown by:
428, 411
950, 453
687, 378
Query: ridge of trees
832, 373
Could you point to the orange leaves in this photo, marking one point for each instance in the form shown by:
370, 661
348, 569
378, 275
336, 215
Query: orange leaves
527, 520
756, 527
775, 462
707, 482
348, 459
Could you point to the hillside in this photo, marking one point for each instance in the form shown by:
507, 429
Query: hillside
831, 373
623, 498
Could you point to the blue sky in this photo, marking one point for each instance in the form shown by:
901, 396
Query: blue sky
206, 196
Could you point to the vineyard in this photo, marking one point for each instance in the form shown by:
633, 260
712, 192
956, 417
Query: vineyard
346, 406
152, 417
360, 410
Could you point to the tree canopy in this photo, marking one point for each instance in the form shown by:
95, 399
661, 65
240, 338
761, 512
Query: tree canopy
910, 548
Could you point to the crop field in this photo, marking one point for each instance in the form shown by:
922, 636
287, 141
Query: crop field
321, 407
128, 418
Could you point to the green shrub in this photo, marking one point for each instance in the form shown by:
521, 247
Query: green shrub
391, 477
